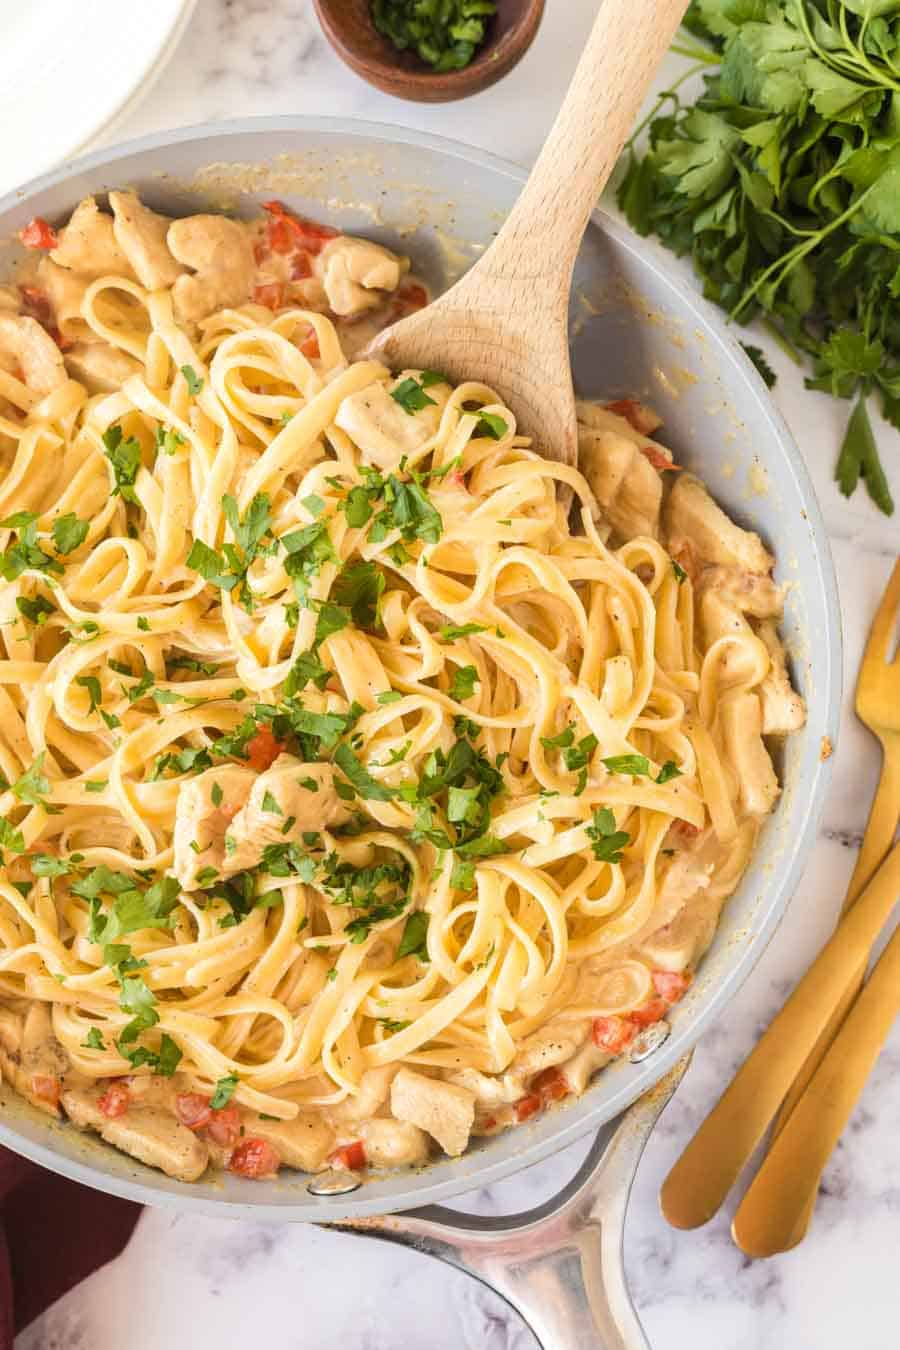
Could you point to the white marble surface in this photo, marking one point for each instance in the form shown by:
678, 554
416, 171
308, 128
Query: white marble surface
237, 1284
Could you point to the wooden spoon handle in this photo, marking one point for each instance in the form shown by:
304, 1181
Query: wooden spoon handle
542, 233
713, 1160
775, 1204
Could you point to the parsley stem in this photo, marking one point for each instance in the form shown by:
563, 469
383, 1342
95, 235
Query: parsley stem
783, 342
799, 251
665, 96
700, 54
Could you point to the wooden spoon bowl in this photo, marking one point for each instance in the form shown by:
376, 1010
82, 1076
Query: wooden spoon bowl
348, 26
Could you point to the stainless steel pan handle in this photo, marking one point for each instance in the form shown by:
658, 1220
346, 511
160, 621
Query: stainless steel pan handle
559, 1265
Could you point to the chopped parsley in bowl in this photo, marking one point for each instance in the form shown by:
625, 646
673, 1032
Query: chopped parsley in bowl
443, 33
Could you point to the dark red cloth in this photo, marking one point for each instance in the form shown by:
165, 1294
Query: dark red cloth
53, 1233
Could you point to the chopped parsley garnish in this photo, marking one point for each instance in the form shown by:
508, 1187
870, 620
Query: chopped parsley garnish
306, 669
193, 381
639, 766
69, 532
143, 624
606, 841
32, 787
25, 554
414, 939
358, 775
359, 588
124, 455
411, 396
450, 632
391, 1025
224, 1091
388, 696
10, 837
270, 805
228, 570
93, 1040
444, 35
462, 686
307, 549
680, 573
92, 685
35, 609
489, 424
167, 440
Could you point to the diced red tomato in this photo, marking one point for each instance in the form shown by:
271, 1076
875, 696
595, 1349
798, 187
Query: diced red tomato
115, 1100
39, 234
529, 1106
301, 267
671, 985
193, 1110
641, 418
225, 1126
310, 345
612, 1034
489, 1123
270, 294
46, 1088
308, 234
35, 303
651, 1012
552, 1085
254, 1158
352, 1157
263, 749
659, 461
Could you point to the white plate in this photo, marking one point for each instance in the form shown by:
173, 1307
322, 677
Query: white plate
70, 67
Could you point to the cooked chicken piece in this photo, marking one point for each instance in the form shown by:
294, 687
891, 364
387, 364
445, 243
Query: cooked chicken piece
31, 1058
393, 1143
610, 417
10, 299
156, 1138
580, 1069
356, 273
81, 1105
304, 1142
372, 1094
88, 244
552, 1044
65, 292
783, 709
220, 252
682, 942
362, 675
382, 428
206, 806
491, 1089
443, 1110
696, 526
741, 718
30, 346
141, 235
625, 483
101, 368
292, 791
751, 592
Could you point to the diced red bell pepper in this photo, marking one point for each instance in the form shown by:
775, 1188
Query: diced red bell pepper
263, 749
528, 1106
46, 1088
651, 1012
193, 1110
671, 985
115, 1100
552, 1085
270, 294
352, 1157
612, 1034
254, 1158
39, 234
659, 461
310, 346
308, 234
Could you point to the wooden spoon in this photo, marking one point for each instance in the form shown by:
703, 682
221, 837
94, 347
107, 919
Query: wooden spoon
504, 322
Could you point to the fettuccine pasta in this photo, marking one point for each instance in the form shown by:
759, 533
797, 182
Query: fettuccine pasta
356, 797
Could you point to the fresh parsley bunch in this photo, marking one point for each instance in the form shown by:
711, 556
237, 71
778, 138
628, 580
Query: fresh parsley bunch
782, 181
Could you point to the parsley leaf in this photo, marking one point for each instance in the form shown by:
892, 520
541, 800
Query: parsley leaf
359, 588
33, 786
224, 1091
357, 774
450, 631
69, 532
411, 396
489, 424
606, 841
124, 454
462, 686
194, 383
414, 939
25, 554
92, 685
35, 609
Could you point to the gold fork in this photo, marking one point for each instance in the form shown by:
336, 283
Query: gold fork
878, 706
719, 1151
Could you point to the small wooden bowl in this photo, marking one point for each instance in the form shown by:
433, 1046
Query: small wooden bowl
349, 28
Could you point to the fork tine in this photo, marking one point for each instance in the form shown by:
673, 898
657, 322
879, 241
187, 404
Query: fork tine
884, 623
